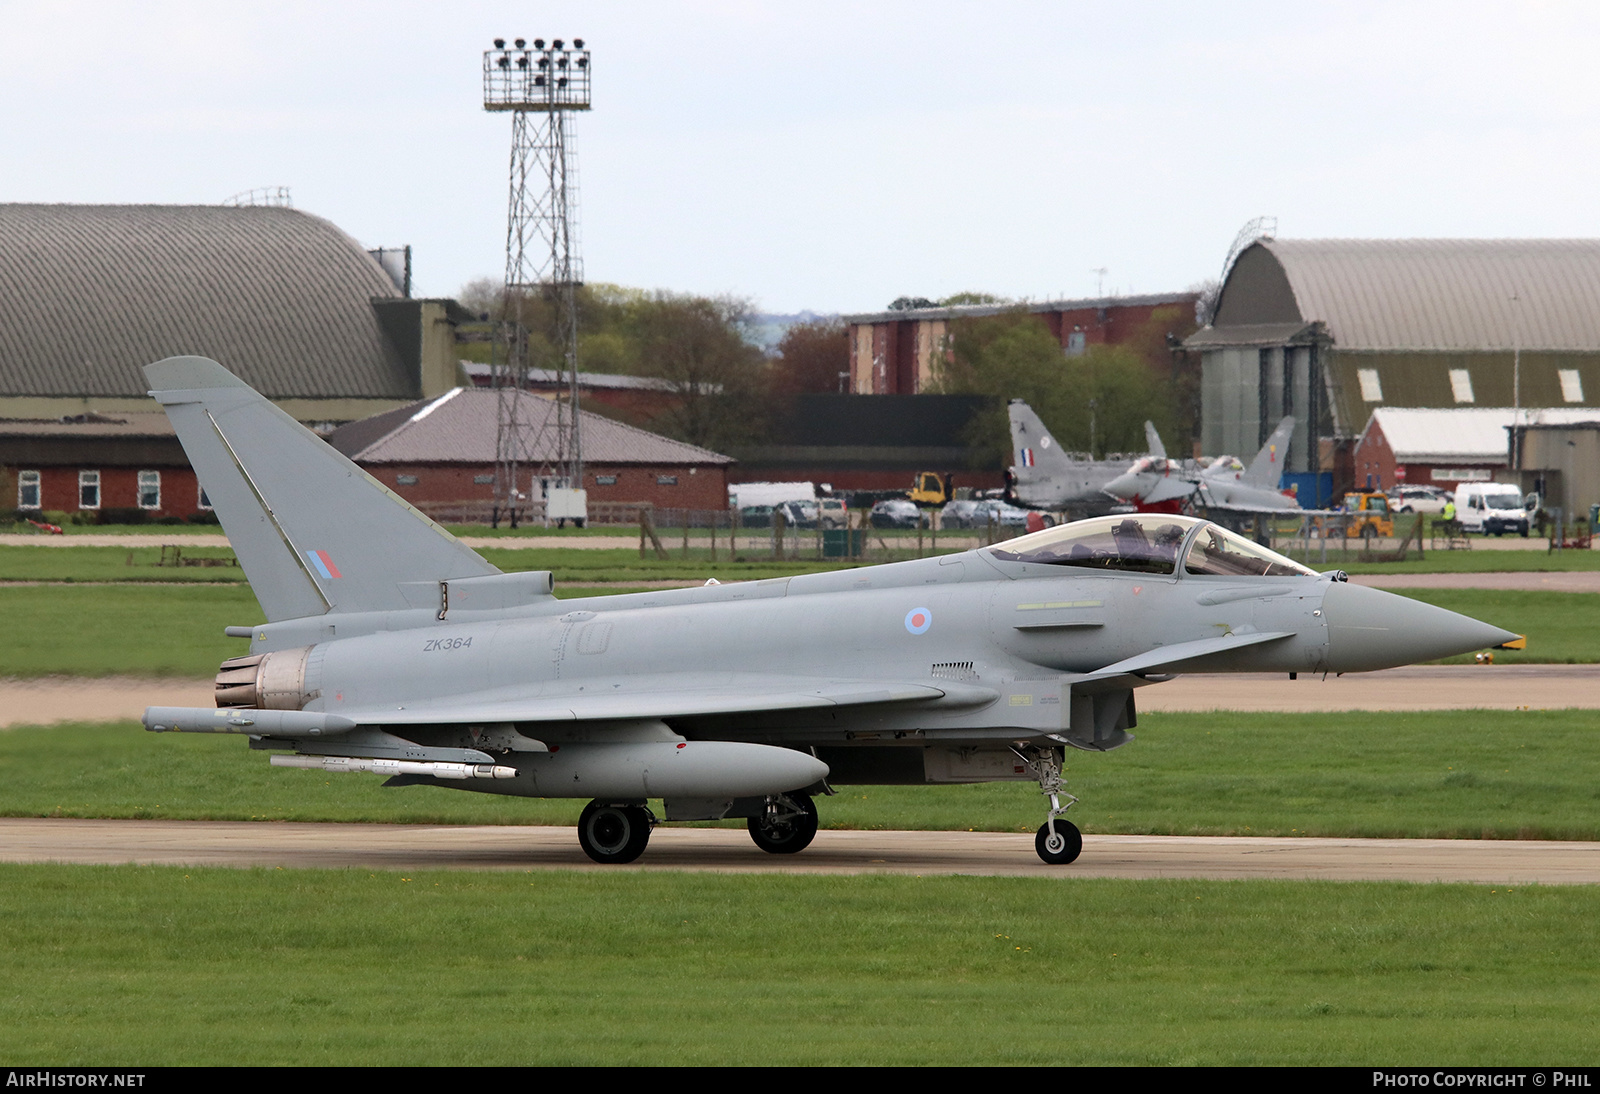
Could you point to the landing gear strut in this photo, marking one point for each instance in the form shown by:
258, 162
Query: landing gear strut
788, 825
1058, 840
612, 833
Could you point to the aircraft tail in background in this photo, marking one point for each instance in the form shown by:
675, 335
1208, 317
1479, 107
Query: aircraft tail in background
1267, 468
1035, 454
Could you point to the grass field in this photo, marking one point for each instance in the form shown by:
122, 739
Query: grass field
132, 966
1517, 774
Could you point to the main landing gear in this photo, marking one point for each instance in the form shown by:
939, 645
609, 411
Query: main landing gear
1058, 840
788, 825
617, 832
614, 834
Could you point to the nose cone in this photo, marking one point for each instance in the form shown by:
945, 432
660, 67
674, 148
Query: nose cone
1125, 486
1371, 629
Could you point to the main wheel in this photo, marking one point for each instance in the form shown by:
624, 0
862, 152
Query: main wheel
1061, 846
613, 834
1369, 533
791, 834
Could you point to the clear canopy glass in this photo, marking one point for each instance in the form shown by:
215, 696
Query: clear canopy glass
1149, 543
1142, 542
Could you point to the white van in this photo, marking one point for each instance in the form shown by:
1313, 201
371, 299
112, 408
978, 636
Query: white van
1491, 508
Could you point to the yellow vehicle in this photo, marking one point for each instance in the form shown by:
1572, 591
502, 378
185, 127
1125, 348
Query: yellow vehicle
1369, 515
930, 488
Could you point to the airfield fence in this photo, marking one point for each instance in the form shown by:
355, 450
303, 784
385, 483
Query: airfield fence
731, 534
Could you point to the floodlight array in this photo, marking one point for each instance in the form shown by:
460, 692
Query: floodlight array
541, 76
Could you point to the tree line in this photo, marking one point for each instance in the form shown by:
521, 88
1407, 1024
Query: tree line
727, 393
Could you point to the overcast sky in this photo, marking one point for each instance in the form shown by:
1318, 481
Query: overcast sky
835, 156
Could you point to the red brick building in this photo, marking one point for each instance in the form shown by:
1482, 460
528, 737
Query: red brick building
441, 452
899, 352
94, 463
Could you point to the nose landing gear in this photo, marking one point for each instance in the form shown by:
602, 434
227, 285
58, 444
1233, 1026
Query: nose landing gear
1058, 840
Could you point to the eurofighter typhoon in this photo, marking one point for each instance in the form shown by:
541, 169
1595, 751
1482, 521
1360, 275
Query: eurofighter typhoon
391, 648
1223, 486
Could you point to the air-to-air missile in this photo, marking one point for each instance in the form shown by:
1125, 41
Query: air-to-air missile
391, 648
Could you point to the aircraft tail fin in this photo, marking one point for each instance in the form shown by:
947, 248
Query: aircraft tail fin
1037, 456
314, 533
1267, 468
1152, 441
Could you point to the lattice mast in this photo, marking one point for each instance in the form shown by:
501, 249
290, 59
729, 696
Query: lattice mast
540, 86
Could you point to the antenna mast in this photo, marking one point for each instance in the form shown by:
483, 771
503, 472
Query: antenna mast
539, 85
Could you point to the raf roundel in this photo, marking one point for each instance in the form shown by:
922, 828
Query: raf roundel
918, 620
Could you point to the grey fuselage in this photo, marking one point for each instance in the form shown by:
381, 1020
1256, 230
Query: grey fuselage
1005, 642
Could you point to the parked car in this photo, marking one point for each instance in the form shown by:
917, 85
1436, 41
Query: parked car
895, 513
756, 516
1418, 499
832, 512
799, 514
980, 513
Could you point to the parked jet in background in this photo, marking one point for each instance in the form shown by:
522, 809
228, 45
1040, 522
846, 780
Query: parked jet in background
1225, 486
1045, 477
393, 649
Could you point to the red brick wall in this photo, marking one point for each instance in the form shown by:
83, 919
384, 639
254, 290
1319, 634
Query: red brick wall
119, 489
1374, 461
696, 488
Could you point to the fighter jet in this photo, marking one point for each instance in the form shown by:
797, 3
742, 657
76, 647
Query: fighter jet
393, 649
1045, 477
1224, 486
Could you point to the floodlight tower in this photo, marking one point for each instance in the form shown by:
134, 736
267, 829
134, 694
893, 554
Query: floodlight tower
540, 87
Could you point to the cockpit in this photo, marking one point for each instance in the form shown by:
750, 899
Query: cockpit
1150, 543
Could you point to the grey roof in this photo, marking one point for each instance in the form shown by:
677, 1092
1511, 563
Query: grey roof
478, 371
1252, 334
1465, 434
140, 423
90, 293
1438, 295
459, 427
974, 311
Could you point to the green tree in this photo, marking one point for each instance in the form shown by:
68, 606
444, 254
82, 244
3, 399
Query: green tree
697, 345
810, 358
1096, 402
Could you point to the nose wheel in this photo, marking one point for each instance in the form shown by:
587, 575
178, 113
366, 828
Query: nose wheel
614, 834
1058, 842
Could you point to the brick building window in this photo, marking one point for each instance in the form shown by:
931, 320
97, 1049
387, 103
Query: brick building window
483, 480
88, 489
1076, 343
1371, 387
605, 480
1461, 385
30, 493
405, 480
1571, 385
666, 480
149, 490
